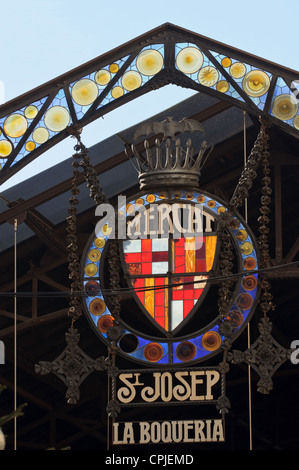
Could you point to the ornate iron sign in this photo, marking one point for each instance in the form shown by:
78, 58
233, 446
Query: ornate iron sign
169, 266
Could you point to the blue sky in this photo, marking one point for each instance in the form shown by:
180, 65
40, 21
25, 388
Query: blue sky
42, 39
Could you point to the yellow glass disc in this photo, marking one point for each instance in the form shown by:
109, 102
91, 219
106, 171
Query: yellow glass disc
102, 77
40, 135
237, 70
226, 62
15, 125
117, 92
84, 92
30, 112
57, 118
222, 86
200, 199
99, 242
208, 76
189, 60
285, 107
131, 80
94, 255
149, 62
90, 269
211, 203
256, 83
246, 248
114, 68
29, 146
5, 148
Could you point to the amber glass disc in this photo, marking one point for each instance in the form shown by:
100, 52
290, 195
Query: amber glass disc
211, 203
117, 92
285, 107
91, 269
150, 198
189, 60
113, 68
226, 62
211, 341
208, 76
84, 92
29, 146
131, 80
94, 255
237, 70
104, 323
5, 148
249, 263
249, 282
246, 248
256, 83
92, 288
40, 135
222, 86
102, 77
99, 242
15, 125
139, 202
57, 118
244, 301
186, 351
97, 307
200, 199
130, 209
149, 62
236, 318
153, 352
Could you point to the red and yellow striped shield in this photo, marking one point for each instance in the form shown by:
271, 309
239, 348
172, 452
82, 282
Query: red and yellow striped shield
169, 275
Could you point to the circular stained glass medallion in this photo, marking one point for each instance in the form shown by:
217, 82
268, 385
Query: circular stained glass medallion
149, 62
40, 135
189, 60
102, 77
285, 107
57, 118
5, 148
208, 76
131, 80
15, 125
31, 111
84, 92
256, 83
237, 70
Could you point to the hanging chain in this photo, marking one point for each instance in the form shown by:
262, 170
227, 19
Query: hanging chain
96, 192
266, 303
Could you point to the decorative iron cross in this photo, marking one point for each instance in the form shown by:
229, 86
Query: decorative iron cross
72, 366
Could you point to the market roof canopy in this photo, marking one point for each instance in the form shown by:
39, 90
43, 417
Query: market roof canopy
39, 119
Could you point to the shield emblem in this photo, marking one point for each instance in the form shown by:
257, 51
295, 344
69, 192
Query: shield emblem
169, 276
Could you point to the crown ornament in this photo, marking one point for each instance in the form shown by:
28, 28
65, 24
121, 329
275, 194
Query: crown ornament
168, 164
